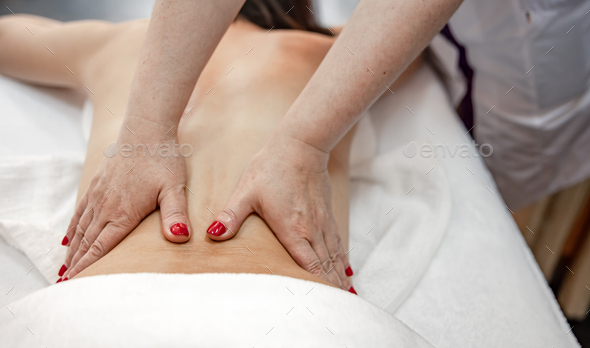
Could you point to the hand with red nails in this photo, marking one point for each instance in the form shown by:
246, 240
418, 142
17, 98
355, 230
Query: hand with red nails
127, 187
288, 185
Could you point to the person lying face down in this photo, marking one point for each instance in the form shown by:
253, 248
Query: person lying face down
251, 80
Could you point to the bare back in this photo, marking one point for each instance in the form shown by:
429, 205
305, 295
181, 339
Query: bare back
248, 85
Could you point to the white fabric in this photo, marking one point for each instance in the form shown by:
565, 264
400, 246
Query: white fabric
36, 123
483, 279
36, 206
398, 218
540, 130
483, 288
212, 310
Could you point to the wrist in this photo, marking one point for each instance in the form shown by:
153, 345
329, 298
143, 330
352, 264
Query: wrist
297, 152
136, 128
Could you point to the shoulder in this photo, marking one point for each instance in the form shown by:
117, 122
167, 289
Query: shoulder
296, 55
308, 47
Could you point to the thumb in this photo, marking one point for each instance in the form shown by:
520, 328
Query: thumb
228, 221
175, 224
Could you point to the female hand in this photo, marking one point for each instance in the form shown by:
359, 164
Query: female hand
147, 170
288, 185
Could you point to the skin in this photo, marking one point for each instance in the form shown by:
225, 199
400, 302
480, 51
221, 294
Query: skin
226, 129
286, 181
169, 65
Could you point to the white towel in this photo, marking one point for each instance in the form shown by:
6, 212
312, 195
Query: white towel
203, 310
481, 253
399, 213
36, 204
39, 198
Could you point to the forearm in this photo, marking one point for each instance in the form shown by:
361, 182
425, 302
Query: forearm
181, 38
380, 40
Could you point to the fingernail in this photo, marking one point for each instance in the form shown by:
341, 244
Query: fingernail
59, 280
179, 229
216, 229
348, 271
66, 278
352, 290
64, 241
62, 270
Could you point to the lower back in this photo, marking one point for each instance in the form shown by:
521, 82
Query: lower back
240, 98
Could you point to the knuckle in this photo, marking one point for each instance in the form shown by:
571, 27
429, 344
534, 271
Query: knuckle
102, 202
122, 217
315, 267
94, 181
79, 210
97, 249
302, 229
228, 215
84, 245
335, 255
173, 214
337, 238
79, 232
327, 263
322, 215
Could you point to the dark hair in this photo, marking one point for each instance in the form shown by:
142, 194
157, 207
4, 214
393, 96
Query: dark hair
282, 14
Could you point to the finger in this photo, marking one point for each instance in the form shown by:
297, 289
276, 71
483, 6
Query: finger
73, 249
228, 221
75, 219
87, 218
333, 243
83, 224
305, 256
319, 246
175, 223
109, 237
345, 261
90, 236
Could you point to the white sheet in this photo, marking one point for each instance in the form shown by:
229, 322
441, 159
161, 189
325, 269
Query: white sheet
483, 279
389, 261
35, 122
483, 287
212, 310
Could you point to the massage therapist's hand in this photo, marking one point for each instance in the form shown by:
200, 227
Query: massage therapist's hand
125, 189
288, 185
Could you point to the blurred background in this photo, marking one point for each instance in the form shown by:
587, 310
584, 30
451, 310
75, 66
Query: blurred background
560, 222
70, 10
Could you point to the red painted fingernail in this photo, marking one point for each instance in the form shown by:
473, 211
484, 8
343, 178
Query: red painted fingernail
59, 280
179, 229
62, 270
348, 271
352, 290
64, 241
216, 229
66, 278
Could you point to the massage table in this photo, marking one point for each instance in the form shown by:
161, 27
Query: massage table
479, 287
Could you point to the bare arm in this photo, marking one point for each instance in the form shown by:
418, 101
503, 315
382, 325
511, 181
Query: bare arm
48, 52
380, 40
181, 38
287, 181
